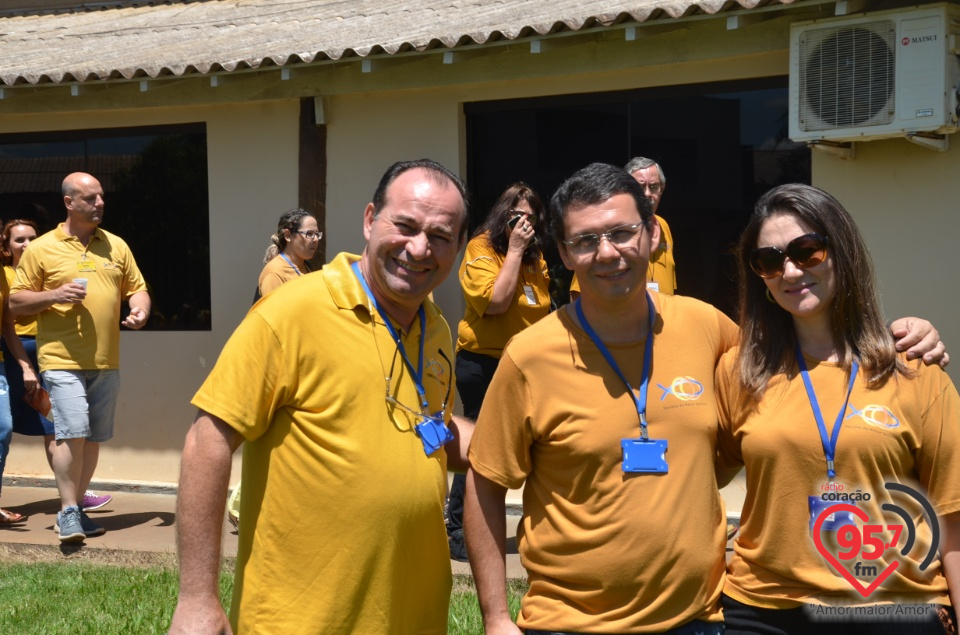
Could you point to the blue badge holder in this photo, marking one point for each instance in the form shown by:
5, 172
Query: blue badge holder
835, 520
644, 455
433, 434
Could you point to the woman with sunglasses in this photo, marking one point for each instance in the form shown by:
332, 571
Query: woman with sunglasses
506, 288
294, 244
820, 408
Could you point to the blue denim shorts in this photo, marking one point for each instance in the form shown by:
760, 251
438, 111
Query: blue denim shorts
84, 402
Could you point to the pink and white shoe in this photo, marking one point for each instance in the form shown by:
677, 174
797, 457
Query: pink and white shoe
92, 501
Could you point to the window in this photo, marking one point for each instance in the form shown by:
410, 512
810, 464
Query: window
155, 198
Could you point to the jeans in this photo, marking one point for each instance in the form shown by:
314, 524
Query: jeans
6, 421
26, 420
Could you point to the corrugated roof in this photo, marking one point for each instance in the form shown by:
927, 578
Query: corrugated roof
125, 41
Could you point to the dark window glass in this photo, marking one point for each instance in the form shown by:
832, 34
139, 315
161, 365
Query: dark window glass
721, 146
155, 198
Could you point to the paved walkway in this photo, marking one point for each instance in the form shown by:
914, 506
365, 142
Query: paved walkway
144, 519
141, 521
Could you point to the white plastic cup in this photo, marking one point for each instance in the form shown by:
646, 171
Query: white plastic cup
82, 282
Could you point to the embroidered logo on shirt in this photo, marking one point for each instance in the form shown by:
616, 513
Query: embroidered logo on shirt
683, 388
435, 369
875, 415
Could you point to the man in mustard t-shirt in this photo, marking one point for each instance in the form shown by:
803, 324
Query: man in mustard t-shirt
662, 272
608, 547
327, 380
75, 278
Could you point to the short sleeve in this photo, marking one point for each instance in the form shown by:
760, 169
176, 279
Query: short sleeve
478, 273
729, 453
250, 380
270, 282
500, 448
29, 274
729, 332
938, 457
133, 281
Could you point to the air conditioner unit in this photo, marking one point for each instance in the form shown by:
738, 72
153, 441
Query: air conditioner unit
888, 74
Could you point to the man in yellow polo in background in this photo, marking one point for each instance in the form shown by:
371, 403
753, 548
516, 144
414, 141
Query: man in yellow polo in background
75, 277
662, 274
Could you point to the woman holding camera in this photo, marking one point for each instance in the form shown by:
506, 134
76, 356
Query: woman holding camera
506, 288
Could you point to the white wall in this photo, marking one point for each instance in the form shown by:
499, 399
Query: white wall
906, 204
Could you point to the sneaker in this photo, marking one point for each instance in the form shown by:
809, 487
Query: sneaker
91, 501
733, 526
68, 525
87, 525
458, 550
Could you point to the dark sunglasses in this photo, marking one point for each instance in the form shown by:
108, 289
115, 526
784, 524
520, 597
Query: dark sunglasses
804, 251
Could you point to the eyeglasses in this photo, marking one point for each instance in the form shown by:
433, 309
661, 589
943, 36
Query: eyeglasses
804, 251
311, 234
393, 401
517, 214
618, 236
655, 188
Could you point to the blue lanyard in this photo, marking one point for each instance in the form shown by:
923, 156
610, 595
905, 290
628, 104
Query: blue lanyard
829, 443
418, 373
641, 400
284, 256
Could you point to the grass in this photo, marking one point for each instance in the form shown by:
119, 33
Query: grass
51, 590
464, 615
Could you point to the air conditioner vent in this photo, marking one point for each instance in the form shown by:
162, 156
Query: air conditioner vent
848, 77
882, 75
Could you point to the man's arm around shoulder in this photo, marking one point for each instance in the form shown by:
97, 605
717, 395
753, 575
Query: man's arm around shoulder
485, 528
202, 498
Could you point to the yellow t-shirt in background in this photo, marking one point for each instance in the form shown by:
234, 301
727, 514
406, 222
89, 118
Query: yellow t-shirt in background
908, 432
83, 336
608, 552
26, 324
488, 334
275, 273
663, 269
342, 510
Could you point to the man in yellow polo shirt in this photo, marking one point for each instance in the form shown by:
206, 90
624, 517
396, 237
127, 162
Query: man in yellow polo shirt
340, 382
75, 277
